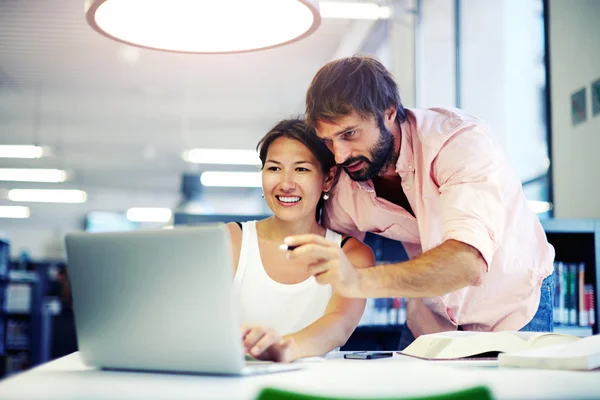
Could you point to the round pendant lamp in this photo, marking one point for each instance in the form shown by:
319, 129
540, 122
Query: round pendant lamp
204, 26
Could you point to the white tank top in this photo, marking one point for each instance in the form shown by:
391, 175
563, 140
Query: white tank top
287, 308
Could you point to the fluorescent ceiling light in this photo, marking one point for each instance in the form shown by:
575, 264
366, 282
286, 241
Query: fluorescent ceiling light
47, 195
354, 10
539, 207
32, 175
202, 26
221, 156
149, 214
14, 212
231, 179
20, 151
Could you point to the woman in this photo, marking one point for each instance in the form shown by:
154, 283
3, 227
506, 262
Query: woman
286, 314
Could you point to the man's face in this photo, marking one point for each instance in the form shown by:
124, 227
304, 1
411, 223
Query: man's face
363, 146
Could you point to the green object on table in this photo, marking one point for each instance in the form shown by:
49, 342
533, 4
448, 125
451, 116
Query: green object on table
474, 393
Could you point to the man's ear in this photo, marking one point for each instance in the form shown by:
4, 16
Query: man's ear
330, 179
390, 114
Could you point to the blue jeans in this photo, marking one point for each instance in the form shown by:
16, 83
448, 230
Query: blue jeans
542, 321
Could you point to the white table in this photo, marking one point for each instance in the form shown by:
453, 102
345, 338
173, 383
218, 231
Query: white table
68, 378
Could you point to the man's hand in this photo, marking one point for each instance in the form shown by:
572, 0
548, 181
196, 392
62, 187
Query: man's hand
327, 262
266, 344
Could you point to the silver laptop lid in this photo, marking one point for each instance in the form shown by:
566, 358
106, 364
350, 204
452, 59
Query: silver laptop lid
156, 300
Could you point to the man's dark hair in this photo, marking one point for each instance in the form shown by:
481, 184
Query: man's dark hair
358, 84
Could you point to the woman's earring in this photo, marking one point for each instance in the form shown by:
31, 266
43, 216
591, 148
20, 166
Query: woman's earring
325, 196
262, 195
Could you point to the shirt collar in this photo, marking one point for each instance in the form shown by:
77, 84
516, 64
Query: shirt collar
406, 159
366, 185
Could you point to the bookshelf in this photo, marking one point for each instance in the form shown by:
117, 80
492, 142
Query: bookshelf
26, 313
21, 295
577, 246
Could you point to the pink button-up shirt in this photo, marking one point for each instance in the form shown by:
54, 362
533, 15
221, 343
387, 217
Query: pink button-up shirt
460, 187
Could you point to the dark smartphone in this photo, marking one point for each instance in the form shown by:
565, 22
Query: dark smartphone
367, 355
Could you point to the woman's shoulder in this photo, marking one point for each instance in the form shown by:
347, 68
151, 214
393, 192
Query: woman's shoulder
235, 228
359, 254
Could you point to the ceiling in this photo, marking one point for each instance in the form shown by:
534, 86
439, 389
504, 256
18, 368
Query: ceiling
119, 117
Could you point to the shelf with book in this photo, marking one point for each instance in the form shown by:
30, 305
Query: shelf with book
576, 273
581, 331
25, 318
19, 314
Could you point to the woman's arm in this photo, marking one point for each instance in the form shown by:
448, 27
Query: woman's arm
341, 315
325, 334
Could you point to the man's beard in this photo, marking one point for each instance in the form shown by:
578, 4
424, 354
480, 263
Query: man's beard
382, 155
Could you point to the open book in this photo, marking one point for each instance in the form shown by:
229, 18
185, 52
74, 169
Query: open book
462, 344
581, 355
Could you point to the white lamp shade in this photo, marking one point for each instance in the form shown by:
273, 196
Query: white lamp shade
204, 26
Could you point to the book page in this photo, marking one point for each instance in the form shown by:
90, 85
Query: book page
551, 339
460, 344
584, 347
583, 354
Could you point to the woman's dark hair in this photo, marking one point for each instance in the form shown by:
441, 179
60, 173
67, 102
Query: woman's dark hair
297, 129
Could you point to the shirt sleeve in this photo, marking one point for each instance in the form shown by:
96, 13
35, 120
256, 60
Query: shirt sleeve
335, 218
468, 170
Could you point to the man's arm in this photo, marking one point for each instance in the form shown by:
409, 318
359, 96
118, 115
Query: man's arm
443, 269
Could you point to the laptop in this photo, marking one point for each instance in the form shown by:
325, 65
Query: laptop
159, 300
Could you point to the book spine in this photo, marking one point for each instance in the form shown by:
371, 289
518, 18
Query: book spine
395, 311
572, 294
402, 312
556, 310
392, 312
382, 312
562, 284
583, 312
590, 305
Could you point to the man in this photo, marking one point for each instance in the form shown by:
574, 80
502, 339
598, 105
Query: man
434, 180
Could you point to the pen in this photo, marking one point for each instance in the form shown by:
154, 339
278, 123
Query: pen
285, 247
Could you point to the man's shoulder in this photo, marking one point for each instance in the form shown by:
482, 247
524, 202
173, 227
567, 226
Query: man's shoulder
443, 114
441, 121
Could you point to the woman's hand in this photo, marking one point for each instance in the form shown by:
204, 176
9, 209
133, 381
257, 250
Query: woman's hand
266, 344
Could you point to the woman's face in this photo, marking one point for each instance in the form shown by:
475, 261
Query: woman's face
292, 180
